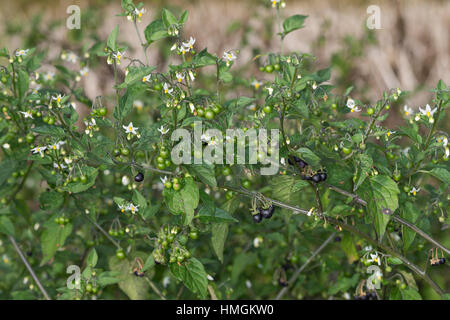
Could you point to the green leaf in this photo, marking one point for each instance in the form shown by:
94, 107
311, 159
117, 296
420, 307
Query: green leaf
385, 196
135, 75
205, 172
23, 83
156, 30
51, 200
53, 131
138, 199
410, 294
292, 23
349, 248
310, 157
53, 238
441, 174
190, 198
136, 288
219, 232
168, 18
112, 39
92, 258
193, 275
364, 165
77, 187
219, 215
6, 226
203, 58
410, 213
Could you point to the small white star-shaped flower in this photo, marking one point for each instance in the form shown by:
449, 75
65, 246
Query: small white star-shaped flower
27, 114
188, 45
130, 128
22, 52
39, 150
408, 111
428, 111
414, 191
147, 78
229, 56
180, 76
162, 130
167, 88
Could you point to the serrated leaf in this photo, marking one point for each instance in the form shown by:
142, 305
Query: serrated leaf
205, 172
193, 275
219, 232
53, 238
292, 23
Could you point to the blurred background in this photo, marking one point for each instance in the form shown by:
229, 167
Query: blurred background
410, 51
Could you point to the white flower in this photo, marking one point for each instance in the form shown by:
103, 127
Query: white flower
84, 71
6, 145
310, 212
191, 107
205, 138
122, 207
275, 2
210, 278
180, 76
138, 12
164, 180
147, 78
257, 241
167, 88
39, 150
162, 130
49, 76
72, 57
130, 128
314, 85
447, 152
428, 112
58, 98
191, 75
368, 248
27, 114
408, 111
131, 207
390, 132
189, 45
270, 90
22, 52
374, 258
229, 56
166, 281
351, 105
414, 191
57, 145
118, 56
125, 180
248, 284
256, 84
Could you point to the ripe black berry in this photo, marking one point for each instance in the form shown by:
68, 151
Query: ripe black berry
441, 260
257, 217
301, 163
267, 213
316, 178
337, 239
323, 176
282, 282
139, 177
138, 274
305, 177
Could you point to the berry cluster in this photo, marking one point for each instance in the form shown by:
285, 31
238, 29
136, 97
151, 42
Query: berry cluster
371, 295
265, 211
162, 160
171, 246
437, 262
307, 173
62, 220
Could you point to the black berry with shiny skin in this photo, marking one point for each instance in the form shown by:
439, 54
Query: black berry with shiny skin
139, 177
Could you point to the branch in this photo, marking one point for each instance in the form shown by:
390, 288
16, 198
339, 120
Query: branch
30, 269
362, 202
351, 229
299, 270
